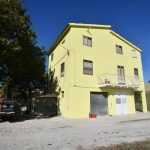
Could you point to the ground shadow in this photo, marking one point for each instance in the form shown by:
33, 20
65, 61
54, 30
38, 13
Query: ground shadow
25, 118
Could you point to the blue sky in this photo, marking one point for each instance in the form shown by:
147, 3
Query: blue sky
131, 18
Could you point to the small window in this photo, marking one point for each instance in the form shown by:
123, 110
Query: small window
136, 74
134, 53
87, 67
62, 69
118, 49
62, 94
118, 100
87, 41
52, 56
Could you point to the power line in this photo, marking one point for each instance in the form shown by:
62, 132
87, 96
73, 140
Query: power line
41, 32
49, 37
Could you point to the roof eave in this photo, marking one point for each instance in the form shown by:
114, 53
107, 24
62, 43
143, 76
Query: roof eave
75, 25
120, 37
57, 40
89, 25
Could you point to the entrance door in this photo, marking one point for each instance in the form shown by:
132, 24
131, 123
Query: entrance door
121, 76
121, 103
99, 104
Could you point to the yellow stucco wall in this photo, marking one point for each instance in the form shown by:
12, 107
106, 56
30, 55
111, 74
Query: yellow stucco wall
76, 85
79, 101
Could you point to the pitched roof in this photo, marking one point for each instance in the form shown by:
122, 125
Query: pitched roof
69, 25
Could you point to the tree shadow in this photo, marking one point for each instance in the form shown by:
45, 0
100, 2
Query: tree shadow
53, 87
138, 101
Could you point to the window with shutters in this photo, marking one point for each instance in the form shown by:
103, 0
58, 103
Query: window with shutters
62, 71
136, 74
87, 67
87, 41
134, 54
119, 49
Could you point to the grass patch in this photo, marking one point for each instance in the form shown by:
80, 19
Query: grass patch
140, 145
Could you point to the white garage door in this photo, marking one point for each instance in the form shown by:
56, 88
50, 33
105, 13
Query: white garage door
121, 103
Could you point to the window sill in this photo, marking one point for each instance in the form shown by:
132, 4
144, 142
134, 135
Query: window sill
120, 53
87, 74
87, 45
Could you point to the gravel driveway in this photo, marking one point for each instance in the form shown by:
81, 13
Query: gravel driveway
73, 134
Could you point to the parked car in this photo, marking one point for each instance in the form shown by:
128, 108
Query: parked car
9, 109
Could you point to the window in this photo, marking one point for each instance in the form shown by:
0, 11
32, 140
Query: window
136, 74
121, 75
62, 94
134, 53
118, 49
52, 56
87, 41
62, 70
87, 67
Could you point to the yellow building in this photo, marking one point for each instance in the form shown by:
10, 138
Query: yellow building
96, 71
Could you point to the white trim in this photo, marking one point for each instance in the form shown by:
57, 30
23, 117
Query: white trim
118, 85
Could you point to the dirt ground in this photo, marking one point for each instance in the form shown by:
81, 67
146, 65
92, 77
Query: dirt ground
59, 133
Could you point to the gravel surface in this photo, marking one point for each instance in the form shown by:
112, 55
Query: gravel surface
70, 134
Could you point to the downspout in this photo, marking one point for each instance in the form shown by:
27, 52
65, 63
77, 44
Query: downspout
71, 85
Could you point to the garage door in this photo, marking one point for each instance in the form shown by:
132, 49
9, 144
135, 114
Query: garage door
121, 103
99, 105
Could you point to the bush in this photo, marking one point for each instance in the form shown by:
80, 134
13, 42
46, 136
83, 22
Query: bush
148, 106
139, 107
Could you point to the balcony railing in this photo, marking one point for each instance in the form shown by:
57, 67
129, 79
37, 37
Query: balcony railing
110, 80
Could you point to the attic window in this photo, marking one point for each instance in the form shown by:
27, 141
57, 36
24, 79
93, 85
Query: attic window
134, 54
119, 49
87, 41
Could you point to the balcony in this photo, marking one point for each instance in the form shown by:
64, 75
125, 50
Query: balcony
110, 80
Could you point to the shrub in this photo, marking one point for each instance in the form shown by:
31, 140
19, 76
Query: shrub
138, 107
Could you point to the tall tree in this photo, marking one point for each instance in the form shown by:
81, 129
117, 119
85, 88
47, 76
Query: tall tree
21, 60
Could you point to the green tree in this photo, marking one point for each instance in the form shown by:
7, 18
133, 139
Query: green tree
21, 60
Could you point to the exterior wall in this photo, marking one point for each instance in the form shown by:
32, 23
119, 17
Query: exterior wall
79, 101
103, 54
60, 56
77, 86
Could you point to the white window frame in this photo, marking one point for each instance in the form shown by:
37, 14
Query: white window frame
88, 68
87, 41
62, 69
121, 74
119, 49
136, 75
134, 54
